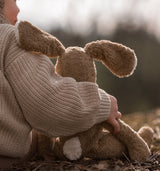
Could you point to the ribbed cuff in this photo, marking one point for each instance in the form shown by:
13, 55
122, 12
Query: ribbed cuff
104, 108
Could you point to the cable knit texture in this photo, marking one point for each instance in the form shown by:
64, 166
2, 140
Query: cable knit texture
3, 20
32, 95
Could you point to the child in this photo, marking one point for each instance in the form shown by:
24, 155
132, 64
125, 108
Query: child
33, 96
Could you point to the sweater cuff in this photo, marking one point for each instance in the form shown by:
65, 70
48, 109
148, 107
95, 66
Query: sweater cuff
104, 108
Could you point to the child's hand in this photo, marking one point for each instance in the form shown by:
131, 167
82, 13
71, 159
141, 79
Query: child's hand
114, 115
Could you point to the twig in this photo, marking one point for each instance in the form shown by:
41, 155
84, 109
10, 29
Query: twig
126, 157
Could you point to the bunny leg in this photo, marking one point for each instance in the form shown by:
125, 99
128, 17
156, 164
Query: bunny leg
137, 147
108, 146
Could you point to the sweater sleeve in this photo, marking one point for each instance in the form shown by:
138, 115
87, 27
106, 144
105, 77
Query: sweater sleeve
54, 105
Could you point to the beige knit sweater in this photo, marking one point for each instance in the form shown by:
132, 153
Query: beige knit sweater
32, 95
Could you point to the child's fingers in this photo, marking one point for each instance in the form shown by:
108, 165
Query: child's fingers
116, 126
119, 115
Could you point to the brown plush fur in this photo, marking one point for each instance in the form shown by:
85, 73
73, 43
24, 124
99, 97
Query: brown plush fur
78, 63
118, 58
50, 46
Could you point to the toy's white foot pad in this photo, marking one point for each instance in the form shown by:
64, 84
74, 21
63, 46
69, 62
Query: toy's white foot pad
72, 149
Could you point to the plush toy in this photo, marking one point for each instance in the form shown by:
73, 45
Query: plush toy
98, 142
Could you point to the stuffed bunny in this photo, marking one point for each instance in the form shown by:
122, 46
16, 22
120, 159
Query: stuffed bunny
98, 142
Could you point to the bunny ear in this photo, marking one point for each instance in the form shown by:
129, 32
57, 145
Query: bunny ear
119, 59
33, 39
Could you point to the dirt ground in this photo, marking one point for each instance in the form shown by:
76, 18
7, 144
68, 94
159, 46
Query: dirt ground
135, 120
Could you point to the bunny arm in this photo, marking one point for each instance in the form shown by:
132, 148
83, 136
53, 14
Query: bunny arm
33, 39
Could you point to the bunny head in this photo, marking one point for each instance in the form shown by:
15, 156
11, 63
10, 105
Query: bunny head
75, 61
77, 64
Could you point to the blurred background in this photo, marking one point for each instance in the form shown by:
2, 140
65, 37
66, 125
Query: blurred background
134, 23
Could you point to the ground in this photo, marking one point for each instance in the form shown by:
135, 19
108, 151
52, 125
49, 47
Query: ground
135, 120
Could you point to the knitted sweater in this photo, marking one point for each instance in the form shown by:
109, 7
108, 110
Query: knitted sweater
33, 96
